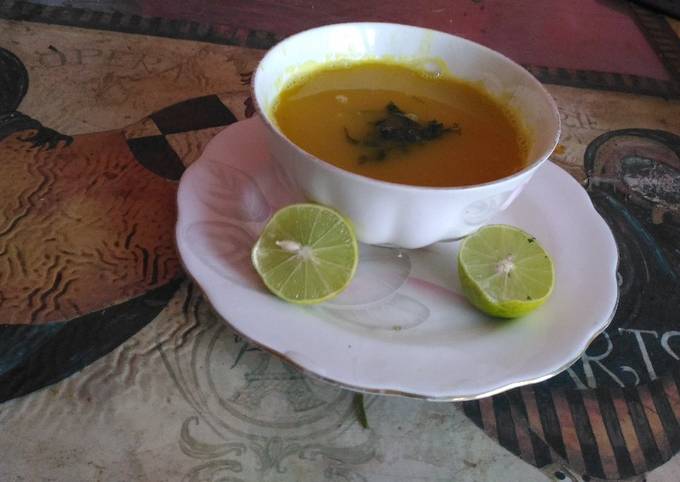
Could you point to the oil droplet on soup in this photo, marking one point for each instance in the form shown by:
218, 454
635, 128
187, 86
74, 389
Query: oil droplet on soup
394, 123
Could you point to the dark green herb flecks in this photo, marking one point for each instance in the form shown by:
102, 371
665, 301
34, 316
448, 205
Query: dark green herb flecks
397, 131
360, 409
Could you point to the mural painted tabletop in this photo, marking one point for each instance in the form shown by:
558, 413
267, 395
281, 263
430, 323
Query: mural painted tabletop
113, 366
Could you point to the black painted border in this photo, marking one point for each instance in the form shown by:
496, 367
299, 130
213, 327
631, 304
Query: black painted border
120, 22
58, 350
661, 37
596, 80
655, 27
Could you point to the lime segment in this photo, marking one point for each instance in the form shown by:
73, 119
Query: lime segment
306, 254
504, 271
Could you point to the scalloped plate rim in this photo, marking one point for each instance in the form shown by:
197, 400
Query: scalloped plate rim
316, 371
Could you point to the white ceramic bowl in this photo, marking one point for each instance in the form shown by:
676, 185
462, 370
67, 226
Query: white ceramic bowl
397, 214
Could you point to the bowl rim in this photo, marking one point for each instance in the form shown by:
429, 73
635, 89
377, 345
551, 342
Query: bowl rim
533, 81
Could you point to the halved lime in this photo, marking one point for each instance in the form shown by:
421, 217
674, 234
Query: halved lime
306, 254
504, 271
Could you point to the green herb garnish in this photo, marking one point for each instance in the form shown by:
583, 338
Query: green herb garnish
397, 131
360, 409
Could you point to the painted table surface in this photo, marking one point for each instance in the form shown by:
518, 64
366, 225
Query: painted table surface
113, 367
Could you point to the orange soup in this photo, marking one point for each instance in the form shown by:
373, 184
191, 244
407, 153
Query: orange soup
394, 123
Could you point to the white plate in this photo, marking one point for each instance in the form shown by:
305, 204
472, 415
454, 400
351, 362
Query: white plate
402, 327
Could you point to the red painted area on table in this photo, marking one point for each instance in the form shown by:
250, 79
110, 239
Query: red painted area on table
585, 34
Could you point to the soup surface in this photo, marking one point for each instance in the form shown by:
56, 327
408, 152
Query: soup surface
395, 123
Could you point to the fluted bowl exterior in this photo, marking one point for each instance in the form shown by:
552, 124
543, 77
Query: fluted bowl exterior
396, 214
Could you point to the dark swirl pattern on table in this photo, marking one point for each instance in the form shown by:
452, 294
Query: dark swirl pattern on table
615, 412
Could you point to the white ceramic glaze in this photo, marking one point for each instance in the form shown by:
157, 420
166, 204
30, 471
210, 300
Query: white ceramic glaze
394, 214
402, 327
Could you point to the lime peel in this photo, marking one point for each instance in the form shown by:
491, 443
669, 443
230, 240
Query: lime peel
504, 271
306, 254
